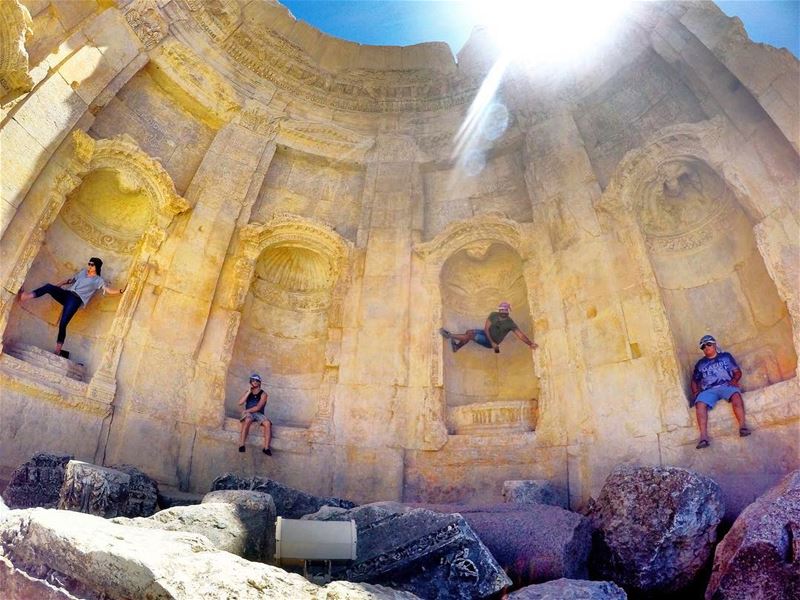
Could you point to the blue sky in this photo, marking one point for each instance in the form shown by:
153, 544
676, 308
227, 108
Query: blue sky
404, 22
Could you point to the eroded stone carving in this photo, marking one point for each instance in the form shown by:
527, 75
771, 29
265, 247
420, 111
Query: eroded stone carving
146, 21
16, 27
93, 489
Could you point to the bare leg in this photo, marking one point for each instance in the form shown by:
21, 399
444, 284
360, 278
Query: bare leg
738, 410
461, 340
701, 410
244, 429
58, 348
267, 426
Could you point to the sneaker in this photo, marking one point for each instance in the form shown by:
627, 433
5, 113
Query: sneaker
267, 451
241, 448
454, 345
445, 334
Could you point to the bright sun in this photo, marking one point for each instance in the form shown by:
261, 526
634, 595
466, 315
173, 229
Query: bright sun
548, 30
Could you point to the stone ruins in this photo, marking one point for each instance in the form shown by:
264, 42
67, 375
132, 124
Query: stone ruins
279, 201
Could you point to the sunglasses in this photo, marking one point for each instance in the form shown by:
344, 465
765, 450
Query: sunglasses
707, 344
91, 264
255, 381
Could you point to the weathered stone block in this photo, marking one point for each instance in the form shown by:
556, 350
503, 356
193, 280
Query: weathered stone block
655, 527
142, 493
37, 482
256, 511
574, 589
759, 557
534, 491
93, 489
289, 502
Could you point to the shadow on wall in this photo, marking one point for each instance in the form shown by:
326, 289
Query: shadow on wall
711, 275
473, 282
106, 217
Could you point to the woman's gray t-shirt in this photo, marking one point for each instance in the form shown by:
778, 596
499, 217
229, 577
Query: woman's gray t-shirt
86, 286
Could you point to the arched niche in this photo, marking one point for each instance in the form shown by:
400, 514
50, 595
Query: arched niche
112, 201
711, 243
290, 278
470, 267
710, 274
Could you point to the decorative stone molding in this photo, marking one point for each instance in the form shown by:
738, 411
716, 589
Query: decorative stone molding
473, 235
489, 418
324, 139
16, 27
147, 23
277, 60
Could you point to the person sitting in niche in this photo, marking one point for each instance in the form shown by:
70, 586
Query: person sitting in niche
497, 326
82, 287
716, 377
254, 400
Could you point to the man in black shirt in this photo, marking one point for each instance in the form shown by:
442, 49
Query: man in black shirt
497, 326
254, 400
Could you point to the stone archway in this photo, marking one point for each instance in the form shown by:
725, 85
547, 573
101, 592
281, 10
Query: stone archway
699, 239
291, 273
16, 27
86, 219
490, 248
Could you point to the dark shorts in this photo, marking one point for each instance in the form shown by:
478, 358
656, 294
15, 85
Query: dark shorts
479, 337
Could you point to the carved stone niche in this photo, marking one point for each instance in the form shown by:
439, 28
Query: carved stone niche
16, 27
289, 276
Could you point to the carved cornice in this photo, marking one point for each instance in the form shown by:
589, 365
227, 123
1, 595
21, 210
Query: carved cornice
473, 235
324, 139
287, 66
147, 23
16, 27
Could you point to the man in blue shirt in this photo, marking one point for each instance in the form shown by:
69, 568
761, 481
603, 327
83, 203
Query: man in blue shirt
716, 377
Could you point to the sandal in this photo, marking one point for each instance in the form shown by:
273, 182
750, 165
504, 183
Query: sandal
744, 432
702, 444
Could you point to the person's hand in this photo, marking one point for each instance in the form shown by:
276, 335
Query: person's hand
496, 349
735, 384
533, 345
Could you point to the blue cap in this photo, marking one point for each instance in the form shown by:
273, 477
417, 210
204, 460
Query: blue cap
255, 376
706, 339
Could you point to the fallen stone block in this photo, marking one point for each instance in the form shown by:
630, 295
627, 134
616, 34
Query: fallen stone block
94, 490
533, 543
760, 556
37, 482
256, 512
289, 502
104, 559
142, 493
433, 555
654, 527
572, 589
534, 491
167, 498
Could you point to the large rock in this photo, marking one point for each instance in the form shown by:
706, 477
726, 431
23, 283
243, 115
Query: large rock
218, 522
256, 512
289, 502
532, 543
94, 490
655, 527
142, 493
433, 555
37, 482
100, 558
18, 585
760, 555
572, 589
167, 498
534, 491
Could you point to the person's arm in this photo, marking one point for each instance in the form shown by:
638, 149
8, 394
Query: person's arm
261, 403
68, 281
695, 389
243, 398
524, 338
113, 291
486, 327
735, 377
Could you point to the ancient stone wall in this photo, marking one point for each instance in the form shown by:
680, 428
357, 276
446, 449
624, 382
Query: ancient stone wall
282, 202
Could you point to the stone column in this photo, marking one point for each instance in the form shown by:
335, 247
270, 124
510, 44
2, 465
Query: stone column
370, 402
167, 403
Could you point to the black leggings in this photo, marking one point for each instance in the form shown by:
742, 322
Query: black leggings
69, 300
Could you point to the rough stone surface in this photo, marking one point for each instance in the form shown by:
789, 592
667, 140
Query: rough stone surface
256, 512
97, 558
142, 493
532, 543
534, 491
168, 498
655, 527
17, 584
570, 589
94, 489
432, 555
289, 502
218, 522
37, 482
760, 555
